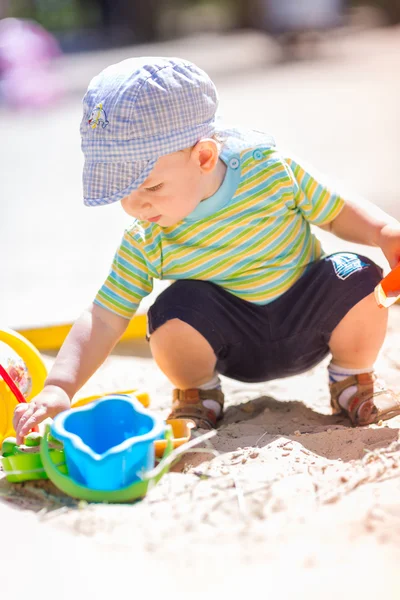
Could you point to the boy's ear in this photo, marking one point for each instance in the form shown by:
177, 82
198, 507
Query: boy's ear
206, 154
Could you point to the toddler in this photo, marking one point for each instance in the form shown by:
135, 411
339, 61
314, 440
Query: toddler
226, 216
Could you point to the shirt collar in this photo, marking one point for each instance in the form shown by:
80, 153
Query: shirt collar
225, 192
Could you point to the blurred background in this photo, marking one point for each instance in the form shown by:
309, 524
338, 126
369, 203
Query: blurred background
322, 76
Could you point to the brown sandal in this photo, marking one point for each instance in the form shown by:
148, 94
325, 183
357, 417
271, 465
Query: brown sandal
371, 403
188, 404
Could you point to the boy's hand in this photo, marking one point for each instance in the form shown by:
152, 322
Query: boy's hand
389, 242
51, 401
87, 345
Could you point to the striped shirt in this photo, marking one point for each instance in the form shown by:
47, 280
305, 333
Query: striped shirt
253, 237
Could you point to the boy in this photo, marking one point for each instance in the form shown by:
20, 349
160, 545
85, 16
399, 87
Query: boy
225, 214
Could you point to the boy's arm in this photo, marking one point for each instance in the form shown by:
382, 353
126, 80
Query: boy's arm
87, 345
99, 328
90, 341
353, 220
365, 223
93, 336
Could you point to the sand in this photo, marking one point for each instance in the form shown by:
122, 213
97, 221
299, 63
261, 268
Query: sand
286, 499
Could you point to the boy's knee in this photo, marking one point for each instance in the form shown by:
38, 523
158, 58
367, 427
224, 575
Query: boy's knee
167, 331
177, 337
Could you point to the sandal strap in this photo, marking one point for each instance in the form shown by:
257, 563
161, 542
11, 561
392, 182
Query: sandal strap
369, 404
195, 395
363, 382
188, 404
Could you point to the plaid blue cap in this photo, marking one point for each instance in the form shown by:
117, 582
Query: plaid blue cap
135, 112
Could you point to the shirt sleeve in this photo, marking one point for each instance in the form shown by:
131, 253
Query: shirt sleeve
128, 281
316, 199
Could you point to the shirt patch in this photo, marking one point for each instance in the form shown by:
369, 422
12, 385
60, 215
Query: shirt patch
346, 264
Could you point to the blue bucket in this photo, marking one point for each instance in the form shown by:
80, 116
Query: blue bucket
109, 443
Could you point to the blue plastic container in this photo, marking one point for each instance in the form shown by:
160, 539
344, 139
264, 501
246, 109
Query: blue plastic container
109, 443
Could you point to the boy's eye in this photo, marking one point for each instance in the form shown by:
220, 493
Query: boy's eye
154, 188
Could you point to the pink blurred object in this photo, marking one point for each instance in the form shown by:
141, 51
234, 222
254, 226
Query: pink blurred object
26, 75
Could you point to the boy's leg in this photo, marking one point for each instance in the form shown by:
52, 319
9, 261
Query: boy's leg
189, 362
198, 330
355, 344
331, 309
183, 354
356, 341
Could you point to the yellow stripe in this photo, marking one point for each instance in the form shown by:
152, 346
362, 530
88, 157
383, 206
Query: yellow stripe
268, 193
223, 229
267, 170
216, 270
249, 160
260, 246
132, 260
128, 279
121, 293
263, 176
113, 306
266, 294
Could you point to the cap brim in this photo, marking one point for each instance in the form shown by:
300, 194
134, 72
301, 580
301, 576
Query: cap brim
105, 183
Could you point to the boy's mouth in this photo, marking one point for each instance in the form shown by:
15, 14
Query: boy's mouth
154, 219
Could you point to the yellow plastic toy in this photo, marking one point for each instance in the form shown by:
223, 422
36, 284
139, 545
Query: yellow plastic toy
143, 397
37, 372
181, 428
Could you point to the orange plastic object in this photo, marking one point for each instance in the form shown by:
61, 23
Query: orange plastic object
387, 292
181, 432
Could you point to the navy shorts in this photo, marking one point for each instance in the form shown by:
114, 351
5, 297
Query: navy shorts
288, 336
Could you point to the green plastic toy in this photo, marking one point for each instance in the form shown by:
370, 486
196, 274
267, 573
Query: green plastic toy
42, 457
132, 492
24, 463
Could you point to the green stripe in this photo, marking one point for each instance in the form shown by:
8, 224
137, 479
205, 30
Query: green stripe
101, 294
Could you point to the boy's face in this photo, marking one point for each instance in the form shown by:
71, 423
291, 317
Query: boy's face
176, 185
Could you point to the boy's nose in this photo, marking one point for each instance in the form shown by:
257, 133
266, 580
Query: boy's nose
139, 204
136, 206
143, 209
